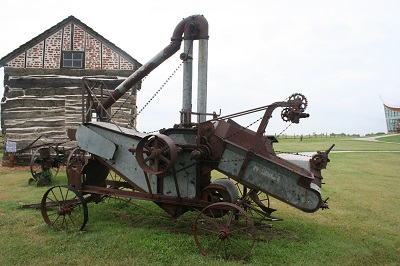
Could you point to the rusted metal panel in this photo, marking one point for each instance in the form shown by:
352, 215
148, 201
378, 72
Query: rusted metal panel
95, 143
271, 178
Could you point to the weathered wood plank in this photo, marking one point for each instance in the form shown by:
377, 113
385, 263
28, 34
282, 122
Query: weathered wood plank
50, 91
25, 135
32, 123
52, 82
33, 102
28, 114
14, 93
72, 125
21, 132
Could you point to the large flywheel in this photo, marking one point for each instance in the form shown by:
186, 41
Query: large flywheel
156, 153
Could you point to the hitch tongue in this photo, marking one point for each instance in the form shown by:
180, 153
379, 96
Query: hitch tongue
324, 204
329, 149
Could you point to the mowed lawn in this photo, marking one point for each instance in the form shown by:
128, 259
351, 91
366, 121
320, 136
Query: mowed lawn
362, 226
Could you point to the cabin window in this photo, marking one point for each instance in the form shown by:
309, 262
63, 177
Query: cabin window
72, 59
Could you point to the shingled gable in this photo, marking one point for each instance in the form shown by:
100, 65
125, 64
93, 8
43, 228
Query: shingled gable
71, 19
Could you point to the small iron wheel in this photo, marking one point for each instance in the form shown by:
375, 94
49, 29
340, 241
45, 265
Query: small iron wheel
256, 204
224, 230
75, 162
45, 164
63, 207
115, 181
155, 154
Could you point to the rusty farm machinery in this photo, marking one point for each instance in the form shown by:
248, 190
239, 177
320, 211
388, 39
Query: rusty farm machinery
174, 168
48, 155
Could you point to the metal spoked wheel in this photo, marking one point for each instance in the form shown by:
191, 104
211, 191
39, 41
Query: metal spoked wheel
256, 204
64, 208
224, 230
115, 181
44, 166
75, 162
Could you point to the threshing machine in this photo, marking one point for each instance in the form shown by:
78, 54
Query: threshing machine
174, 167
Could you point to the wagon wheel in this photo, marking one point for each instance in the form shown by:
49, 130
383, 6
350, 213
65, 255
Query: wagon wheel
63, 207
115, 181
75, 162
224, 230
155, 154
256, 204
44, 166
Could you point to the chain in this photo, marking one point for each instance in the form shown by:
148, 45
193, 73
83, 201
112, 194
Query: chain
284, 130
242, 129
264, 148
294, 153
251, 111
120, 111
161, 87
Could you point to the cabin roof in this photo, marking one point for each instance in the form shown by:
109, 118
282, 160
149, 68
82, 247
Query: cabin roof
57, 27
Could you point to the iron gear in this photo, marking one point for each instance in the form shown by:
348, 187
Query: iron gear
302, 104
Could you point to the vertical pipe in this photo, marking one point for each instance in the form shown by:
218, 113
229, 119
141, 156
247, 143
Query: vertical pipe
202, 80
83, 102
187, 83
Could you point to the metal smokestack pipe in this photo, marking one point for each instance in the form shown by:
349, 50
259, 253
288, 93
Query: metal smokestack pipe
193, 27
202, 81
187, 56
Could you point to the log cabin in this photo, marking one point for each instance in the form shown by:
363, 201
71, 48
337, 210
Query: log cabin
43, 85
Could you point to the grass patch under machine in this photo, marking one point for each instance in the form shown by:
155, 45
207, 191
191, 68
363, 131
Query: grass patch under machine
360, 228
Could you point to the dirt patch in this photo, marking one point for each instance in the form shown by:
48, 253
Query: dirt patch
16, 168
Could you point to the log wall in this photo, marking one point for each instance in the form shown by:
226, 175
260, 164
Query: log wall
45, 106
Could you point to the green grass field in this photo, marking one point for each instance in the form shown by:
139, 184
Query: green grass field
362, 226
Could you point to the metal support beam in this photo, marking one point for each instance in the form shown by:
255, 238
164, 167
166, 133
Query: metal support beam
187, 82
202, 80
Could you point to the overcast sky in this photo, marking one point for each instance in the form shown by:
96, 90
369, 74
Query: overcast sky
342, 55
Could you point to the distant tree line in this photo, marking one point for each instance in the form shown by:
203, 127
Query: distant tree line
326, 135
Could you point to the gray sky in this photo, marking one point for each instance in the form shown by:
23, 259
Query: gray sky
342, 55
